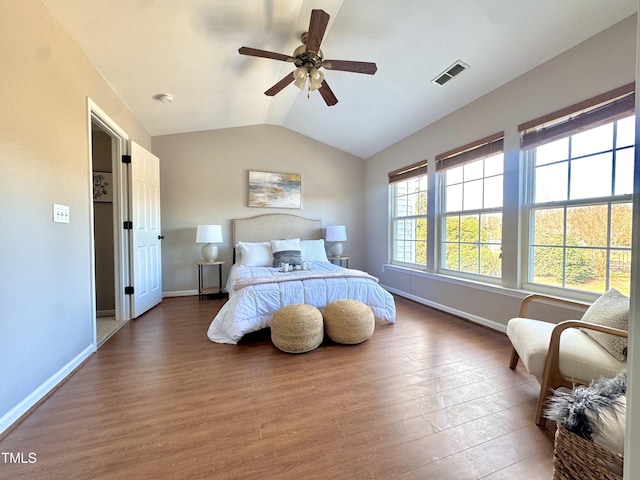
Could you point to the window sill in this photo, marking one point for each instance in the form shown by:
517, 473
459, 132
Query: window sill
487, 287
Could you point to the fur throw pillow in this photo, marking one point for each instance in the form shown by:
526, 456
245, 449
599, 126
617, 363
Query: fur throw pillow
575, 410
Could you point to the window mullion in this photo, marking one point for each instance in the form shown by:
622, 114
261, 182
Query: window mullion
607, 271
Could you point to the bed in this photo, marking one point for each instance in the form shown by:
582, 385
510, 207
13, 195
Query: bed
257, 289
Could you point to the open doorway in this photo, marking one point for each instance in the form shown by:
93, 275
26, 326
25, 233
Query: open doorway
107, 322
109, 243
126, 238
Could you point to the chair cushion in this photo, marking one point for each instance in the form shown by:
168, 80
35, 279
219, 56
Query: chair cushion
612, 310
581, 357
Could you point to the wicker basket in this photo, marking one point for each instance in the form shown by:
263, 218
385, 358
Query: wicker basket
575, 458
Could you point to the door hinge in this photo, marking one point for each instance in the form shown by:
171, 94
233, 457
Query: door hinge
126, 158
128, 290
127, 225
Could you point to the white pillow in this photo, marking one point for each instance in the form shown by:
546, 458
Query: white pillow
313, 251
610, 309
286, 251
255, 254
288, 244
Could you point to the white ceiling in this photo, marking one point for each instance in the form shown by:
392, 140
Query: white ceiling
189, 48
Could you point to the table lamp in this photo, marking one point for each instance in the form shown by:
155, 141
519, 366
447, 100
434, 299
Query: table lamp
336, 234
209, 235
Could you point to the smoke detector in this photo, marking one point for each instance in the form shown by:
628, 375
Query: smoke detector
164, 97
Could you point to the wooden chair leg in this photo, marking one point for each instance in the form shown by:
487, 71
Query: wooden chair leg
513, 363
542, 400
546, 387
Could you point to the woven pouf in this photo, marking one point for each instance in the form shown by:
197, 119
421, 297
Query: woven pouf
297, 328
348, 321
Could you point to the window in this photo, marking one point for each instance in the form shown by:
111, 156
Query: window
409, 215
471, 187
579, 206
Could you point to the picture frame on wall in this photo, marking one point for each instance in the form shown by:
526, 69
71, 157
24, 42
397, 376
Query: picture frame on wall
102, 187
275, 190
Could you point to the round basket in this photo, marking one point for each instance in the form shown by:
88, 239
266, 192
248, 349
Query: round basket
348, 321
575, 457
297, 328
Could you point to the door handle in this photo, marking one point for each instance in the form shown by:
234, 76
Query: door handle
160, 237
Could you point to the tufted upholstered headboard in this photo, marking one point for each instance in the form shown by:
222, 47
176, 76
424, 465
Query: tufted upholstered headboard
275, 226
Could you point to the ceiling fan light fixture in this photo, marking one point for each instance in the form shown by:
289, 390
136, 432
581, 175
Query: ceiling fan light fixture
308, 58
300, 75
316, 77
300, 72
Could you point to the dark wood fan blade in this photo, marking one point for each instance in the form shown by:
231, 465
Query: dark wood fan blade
280, 85
348, 66
254, 52
317, 26
329, 98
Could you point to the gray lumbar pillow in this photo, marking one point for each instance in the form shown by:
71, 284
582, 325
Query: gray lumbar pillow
612, 310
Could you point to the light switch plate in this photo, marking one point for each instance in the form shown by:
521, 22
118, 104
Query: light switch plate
60, 213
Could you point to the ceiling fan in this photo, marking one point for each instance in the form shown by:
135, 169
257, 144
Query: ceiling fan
308, 58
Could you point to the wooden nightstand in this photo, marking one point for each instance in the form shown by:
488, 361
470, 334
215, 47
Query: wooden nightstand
340, 259
213, 291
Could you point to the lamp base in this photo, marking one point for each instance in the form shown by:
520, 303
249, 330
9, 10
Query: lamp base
209, 252
336, 249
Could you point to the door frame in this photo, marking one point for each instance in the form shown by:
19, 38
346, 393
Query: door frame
120, 174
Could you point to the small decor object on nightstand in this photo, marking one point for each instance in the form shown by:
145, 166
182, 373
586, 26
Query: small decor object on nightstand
336, 234
209, 234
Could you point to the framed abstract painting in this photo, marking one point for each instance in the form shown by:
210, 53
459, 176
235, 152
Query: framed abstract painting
275, 190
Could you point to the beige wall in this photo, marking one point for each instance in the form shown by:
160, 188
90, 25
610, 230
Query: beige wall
597, 65
204, 178
46, 303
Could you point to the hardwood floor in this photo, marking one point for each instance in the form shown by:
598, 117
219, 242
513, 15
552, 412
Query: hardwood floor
430, 397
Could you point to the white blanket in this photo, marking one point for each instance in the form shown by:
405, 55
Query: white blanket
251, 307
259, 277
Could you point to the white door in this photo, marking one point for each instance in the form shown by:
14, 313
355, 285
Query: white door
146, 262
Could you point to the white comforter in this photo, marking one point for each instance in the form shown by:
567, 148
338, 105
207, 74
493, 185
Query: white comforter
251, 307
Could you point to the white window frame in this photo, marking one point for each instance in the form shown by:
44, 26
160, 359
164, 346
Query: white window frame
396, 219
531, 207
478, 243
463, 157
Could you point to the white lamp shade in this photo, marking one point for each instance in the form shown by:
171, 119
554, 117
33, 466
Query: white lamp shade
209, 234
336, 233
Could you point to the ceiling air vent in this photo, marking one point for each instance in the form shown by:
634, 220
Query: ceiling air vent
450, 72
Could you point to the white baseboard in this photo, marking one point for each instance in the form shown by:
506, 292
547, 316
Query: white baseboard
44, 389
458, 313
105, 313
180, 293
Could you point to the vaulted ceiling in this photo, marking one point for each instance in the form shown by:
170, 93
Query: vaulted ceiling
189, 49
